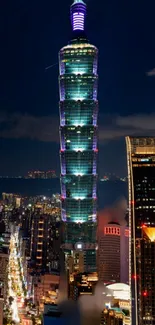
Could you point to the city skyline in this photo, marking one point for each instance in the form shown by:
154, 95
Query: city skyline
29, 91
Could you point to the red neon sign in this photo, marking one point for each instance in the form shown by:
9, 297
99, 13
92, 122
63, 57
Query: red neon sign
114, 231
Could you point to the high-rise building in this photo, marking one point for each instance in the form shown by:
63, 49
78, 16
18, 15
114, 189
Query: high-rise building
39, 241
141, 180
109, 244
146, 278
25, 222
78, 81
113, 245
45, 242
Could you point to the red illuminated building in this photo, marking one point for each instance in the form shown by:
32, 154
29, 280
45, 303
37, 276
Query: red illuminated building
113, 248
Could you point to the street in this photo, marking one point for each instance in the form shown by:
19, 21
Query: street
15, 288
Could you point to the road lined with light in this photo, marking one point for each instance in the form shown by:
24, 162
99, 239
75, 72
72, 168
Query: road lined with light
15, 289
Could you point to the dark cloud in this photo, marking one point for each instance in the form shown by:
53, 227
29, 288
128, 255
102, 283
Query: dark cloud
138, 123
133, 125
151, 73
17, 126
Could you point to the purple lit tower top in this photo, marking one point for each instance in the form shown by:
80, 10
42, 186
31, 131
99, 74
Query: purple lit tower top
78, 13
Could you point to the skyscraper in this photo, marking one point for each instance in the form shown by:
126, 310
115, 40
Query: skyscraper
113, 243
78, 141
109, 245
141, 175
146, 283
39, 248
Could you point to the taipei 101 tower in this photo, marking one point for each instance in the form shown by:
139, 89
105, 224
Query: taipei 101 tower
78, 104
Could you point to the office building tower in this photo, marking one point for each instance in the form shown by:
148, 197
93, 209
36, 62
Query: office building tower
108, 255
54, 244
146, 277
45, 242
39, 241
25, 223
141, 181
113, 244
78, 141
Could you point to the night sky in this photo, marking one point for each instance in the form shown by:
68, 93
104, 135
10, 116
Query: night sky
31, 34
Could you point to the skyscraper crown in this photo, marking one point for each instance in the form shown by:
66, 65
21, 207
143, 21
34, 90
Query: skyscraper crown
78, 13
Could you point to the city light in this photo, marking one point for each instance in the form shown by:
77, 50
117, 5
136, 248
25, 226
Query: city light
78, 174
79, 197
79, 149
78, 12
78, 123
78, 21
15, 287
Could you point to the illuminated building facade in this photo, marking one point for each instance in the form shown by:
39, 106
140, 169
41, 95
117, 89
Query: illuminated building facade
78, 141
114, 316
141, 176
4, 260
146, 281
39, 241
45, 243
117, 311
82, 284
108, 255
45, 290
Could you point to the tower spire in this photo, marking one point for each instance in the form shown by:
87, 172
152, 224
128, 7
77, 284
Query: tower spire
78, 14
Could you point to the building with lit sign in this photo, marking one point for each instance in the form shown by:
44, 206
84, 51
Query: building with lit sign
108, 254
141, 181
78, 140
